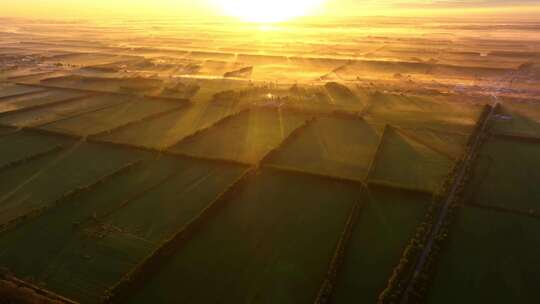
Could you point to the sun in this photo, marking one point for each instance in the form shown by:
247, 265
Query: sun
268, 11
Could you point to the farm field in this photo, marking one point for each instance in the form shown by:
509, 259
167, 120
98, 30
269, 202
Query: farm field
386, 223
404, 162
169, 129
519, 119
246, 137
491, 256
504, 173
192, 160
109, 118
332, 146
38, 183
254, 232
96, 238
14, 104
58, 112
20, 145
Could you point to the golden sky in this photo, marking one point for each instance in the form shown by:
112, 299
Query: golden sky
208, 8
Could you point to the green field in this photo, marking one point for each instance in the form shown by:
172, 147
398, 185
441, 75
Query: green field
385, 225
89, 242
404, 162
272, 243
169, 129
245, 138
332, 146
521, 119
491, 257
110, 118
447, 143
424, 111
42, 116
505, 175
39, 99
38, 183
22, 144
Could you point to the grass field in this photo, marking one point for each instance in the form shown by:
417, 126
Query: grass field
333, 146
271, 244
504, 175
39, 99
405, 162
110, 118
169, 129
246, 138
22, 144
521, 119
38, 183
491, 257
424, 111
385, 225
58, 112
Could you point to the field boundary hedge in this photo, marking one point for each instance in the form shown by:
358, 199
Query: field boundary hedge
48, 105
516, 137
155, 261
419, 140
216, 124
534, 213
17, 291
328, 285
36, 156
399, 187
139, 121
2, 98
292, 136
377, 153
69, 195
304, 173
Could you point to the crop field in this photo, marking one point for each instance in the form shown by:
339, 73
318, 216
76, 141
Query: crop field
405, 162
254, 233
332, 146
101, 234
20, 145
491, 257
247, 137
109, 118
170, 160
519, 119
38, 183
14, 104
169, 129
386, 223
58, 112
504, 173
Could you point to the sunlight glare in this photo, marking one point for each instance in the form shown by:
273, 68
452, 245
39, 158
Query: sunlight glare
268, 11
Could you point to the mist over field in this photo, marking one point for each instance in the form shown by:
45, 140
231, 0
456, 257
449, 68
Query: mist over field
269, 152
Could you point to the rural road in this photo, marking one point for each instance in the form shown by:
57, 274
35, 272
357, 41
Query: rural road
448, 202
